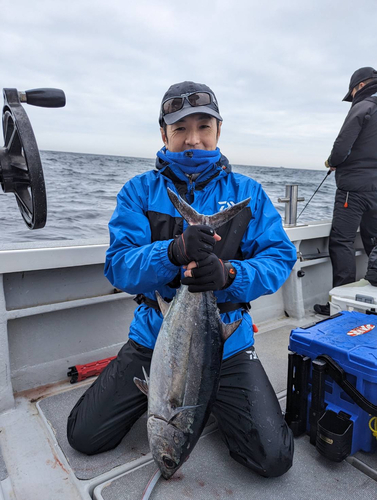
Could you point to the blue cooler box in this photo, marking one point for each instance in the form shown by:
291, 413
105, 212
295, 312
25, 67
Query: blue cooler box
350, 339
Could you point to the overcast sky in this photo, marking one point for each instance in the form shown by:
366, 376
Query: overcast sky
279, 69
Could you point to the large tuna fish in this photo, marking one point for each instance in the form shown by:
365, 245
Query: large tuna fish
186, 362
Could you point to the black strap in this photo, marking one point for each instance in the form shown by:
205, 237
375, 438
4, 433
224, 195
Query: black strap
337, 373
224, 307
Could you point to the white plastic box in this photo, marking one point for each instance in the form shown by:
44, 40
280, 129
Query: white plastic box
358, 296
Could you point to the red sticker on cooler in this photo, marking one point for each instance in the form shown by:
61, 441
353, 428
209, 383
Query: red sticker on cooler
360, 330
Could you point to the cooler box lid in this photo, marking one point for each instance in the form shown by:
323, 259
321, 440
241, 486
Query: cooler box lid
360, 290
350, 338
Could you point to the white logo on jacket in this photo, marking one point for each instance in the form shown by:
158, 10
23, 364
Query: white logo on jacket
225, 204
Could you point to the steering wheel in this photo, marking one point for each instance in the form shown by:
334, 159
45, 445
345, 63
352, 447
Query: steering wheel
20, 163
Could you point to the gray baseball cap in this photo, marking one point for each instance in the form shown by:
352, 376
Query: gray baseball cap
187, 98
359, 76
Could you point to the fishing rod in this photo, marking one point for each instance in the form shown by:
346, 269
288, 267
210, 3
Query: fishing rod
328, 173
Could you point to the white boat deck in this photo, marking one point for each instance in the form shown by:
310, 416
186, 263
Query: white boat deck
57, 310
42, 465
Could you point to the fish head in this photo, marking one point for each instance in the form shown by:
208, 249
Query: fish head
169, 445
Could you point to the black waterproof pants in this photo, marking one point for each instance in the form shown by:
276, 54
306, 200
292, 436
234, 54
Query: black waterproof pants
247, 410
361, 211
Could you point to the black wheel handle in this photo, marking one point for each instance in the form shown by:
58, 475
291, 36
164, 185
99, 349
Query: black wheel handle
45, 98
20, 163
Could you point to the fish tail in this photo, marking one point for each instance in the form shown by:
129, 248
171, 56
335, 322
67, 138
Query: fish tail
193, 217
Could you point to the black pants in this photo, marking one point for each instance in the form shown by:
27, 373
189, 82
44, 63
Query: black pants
361, 211
247, 410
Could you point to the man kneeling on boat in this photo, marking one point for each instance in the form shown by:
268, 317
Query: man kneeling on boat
149, 247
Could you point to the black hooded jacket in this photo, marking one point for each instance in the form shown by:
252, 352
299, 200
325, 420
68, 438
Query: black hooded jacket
354, 153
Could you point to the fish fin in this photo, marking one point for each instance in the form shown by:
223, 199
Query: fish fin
190, 215
221, 218
182, 409
193, 217
145, 375
164, 306
229, 328
142, 385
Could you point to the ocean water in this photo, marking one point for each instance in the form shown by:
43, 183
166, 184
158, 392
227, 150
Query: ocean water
82, 188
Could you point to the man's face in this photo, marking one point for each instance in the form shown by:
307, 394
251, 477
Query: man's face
196, 131
354, 90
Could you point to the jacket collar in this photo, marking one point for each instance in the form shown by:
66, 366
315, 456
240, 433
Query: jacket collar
222, 167
365, 92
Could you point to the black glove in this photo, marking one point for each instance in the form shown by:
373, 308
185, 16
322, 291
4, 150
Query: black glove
194, 244
212, 274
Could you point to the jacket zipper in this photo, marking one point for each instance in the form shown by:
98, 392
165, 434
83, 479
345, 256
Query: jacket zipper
191, 188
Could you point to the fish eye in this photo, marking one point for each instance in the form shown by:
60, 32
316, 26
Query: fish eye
168, 462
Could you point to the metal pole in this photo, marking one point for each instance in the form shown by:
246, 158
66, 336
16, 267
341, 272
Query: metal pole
291, 199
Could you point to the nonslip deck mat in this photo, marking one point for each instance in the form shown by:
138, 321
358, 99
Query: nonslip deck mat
135, 444
272, 350
211, 474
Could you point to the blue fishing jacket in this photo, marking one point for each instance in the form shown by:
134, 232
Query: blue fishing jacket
145, 222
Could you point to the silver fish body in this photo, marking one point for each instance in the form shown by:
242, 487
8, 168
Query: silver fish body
184, 376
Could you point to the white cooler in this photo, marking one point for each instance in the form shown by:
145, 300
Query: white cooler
358, 296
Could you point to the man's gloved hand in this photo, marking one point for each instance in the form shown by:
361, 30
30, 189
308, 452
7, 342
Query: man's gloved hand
211, 273
327, 164
194, 244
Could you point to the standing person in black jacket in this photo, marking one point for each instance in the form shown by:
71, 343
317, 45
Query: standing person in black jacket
354, 160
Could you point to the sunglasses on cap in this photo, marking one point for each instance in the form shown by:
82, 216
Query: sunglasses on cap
195, 99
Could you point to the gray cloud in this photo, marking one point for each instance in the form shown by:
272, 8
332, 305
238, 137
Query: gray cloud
279, 70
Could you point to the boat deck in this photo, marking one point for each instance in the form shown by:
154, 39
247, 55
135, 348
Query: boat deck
34, 446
